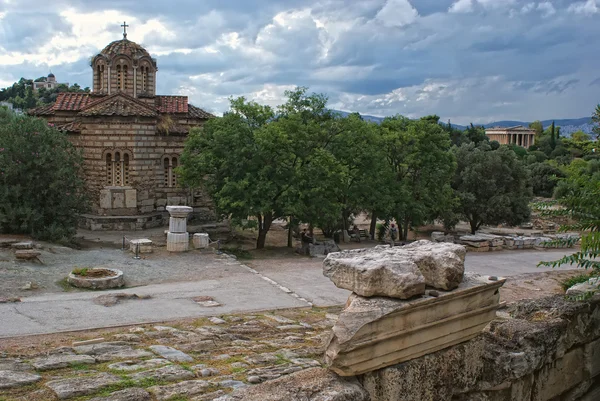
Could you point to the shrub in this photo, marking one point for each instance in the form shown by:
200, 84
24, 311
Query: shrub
41, 189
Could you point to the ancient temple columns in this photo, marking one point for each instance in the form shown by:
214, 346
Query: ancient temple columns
178, 239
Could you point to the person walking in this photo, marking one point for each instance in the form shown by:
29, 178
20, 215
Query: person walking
306, 240
393, 233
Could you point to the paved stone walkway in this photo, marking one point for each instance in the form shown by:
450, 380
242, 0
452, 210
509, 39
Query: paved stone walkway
196, 360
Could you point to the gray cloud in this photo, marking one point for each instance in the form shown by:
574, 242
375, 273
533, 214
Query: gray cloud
498, 60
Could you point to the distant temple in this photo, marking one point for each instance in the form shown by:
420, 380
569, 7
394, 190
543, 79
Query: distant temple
48, 83
131, 140
517, 135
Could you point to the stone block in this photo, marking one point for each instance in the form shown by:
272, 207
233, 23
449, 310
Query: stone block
178, 242
131, 198
142, 245
11, 379
177, 224
200, 240
179, 211
80, 386
559, 376
592, 358
323, 248
592, 286
27, 254
22, 245
118, 200
105, 199
397, 272
372, 333
314, 384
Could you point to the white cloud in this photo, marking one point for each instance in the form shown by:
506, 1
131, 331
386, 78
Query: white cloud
461, 6
546, 8
527, 8
588, 7
397, 13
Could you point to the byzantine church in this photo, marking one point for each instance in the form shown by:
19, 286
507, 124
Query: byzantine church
131, 140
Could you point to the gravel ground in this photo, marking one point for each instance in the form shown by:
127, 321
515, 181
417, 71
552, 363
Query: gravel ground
58, 262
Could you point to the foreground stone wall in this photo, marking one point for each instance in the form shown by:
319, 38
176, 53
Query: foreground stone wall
547, 349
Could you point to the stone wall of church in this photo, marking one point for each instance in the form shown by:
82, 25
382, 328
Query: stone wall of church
155, 186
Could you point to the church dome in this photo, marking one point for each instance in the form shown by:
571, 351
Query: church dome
125, 47
51, 75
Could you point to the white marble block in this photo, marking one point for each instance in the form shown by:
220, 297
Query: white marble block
200, 240
178, 242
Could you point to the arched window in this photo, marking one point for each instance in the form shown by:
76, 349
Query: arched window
169, 165
109, 169
145, 72
122, 77
100, 73
117, 169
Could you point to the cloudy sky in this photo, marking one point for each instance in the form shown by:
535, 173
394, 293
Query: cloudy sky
465, 60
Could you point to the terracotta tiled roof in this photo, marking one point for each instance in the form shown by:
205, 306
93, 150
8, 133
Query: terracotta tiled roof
126, 47
196, 112
71, 101
172, 104
42, 110
118, 104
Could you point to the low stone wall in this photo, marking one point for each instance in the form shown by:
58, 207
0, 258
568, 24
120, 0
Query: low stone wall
492, 242
546, 349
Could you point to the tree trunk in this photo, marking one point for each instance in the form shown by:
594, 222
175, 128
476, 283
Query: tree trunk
264, 224
405, 230
344, 219
373, 225
290, 231
474, 226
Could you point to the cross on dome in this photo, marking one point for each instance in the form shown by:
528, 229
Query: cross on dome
125, 26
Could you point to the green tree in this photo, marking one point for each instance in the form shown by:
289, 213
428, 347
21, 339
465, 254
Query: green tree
577, 195
476, 134
544, 178
538, 127
246, 167
422, 167
552, 137
41, 189
580, 136
492, 186
596, 121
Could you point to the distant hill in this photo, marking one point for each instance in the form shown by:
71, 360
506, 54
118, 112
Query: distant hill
567, 126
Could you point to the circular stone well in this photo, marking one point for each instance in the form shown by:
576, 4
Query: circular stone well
97, 283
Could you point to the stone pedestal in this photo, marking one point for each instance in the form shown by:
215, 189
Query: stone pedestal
178, 239
178, 242
200, 240
142, 245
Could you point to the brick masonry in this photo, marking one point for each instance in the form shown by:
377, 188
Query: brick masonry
132, 121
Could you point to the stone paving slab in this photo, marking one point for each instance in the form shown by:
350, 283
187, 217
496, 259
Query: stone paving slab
61, 361
182, 389
129, 394
10, 379
171, 354
166, 373
78, 386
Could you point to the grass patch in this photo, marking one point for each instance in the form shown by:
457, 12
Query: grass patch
81, 271
177, 398
582, 278
237, 252
64, 284
81, 366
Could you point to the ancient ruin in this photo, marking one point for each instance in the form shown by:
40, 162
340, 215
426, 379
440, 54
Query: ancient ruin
391, 317
178, 239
